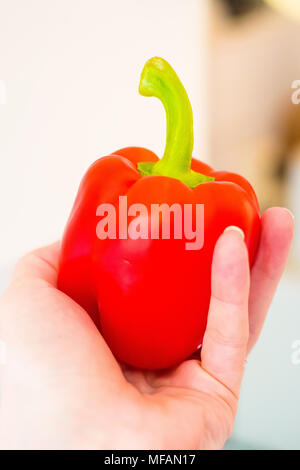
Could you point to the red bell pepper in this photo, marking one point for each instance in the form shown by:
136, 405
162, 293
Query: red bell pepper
150, 297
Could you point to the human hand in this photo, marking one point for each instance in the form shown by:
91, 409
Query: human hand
62, 387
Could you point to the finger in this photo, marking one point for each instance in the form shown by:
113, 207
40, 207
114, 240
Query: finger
275, 242
226, 337
39, 264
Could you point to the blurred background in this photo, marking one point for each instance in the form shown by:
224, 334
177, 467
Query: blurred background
69, 73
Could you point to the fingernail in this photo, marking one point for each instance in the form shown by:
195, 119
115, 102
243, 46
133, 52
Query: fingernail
289, 212
234, 228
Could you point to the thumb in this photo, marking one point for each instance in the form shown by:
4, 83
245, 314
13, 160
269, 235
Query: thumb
226, 337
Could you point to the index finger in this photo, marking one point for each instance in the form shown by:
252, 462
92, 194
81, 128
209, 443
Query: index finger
274, 247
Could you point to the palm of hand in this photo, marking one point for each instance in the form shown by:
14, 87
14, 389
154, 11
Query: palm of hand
62, 387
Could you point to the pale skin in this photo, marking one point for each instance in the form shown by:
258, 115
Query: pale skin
62, 387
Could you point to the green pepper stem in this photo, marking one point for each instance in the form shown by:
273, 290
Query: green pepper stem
158, 79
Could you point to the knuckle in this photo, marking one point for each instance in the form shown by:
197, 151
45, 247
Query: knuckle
228, 340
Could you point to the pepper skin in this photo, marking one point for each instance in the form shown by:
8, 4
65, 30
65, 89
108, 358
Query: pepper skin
150, 297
